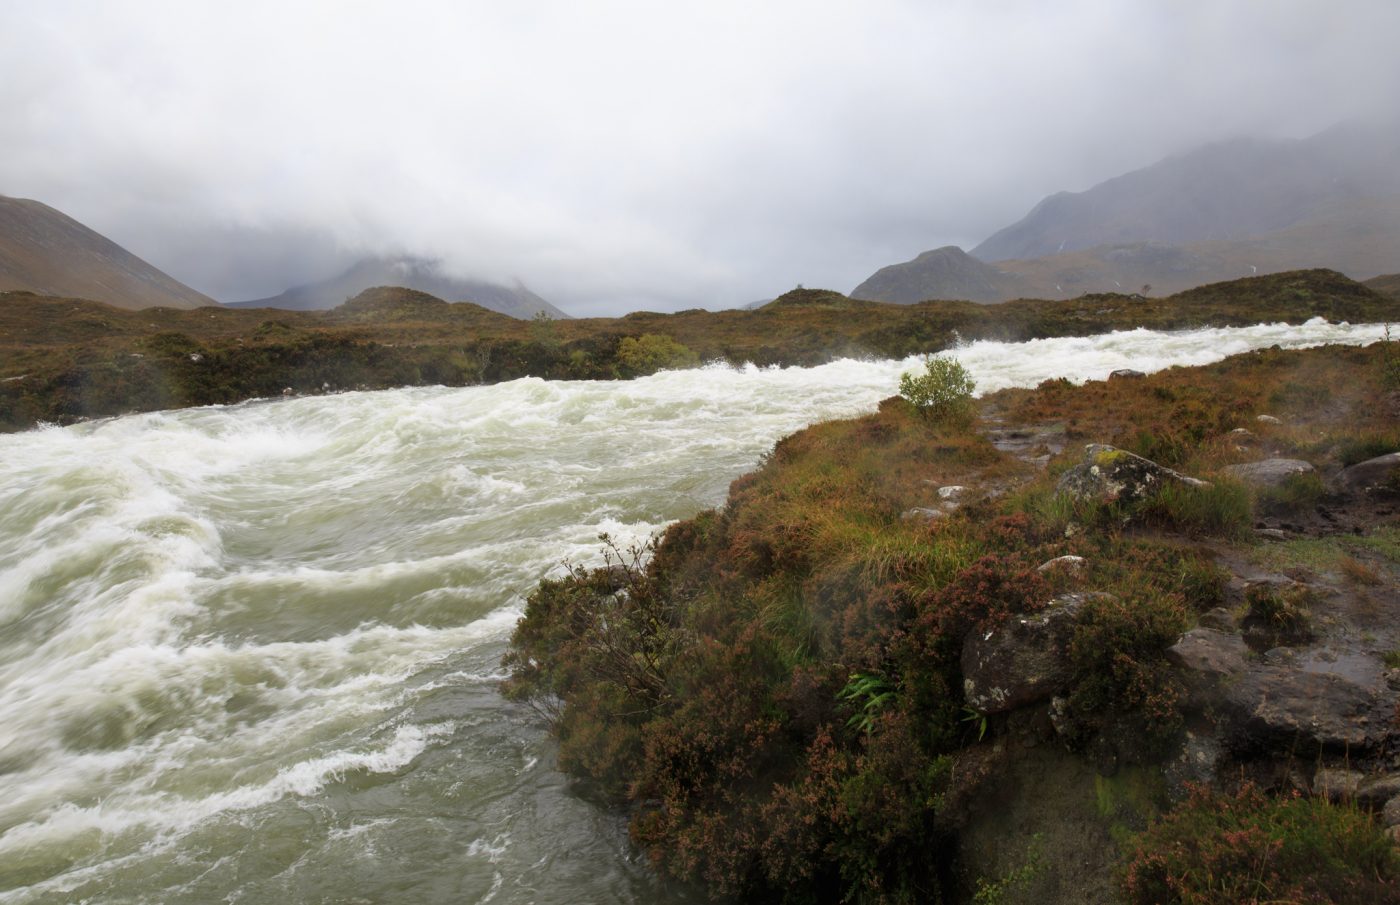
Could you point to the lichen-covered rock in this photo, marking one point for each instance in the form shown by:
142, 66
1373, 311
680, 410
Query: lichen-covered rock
1374, 475
1023, 661
1268, 472
1110, 475
922, 514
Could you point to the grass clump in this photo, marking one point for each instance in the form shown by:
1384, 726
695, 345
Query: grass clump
1219, 849
1297, 494
1279, 614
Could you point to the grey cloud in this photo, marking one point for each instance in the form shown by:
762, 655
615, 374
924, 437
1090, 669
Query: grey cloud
616, 155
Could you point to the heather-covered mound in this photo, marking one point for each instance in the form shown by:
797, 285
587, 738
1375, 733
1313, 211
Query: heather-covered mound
857, 680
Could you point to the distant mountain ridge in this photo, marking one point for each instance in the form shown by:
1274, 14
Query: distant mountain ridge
1221, 212
44, 251
409, 272
1225, 191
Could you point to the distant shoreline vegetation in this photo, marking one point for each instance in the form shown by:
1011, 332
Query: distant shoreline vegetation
67, 360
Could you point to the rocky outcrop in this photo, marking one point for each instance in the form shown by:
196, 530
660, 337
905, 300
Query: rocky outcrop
1268, 472
1023, 661
1321, 699
1111, 475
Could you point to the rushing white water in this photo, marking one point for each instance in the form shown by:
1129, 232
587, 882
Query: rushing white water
249, 653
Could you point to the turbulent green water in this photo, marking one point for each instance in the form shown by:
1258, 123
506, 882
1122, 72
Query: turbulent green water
249, 654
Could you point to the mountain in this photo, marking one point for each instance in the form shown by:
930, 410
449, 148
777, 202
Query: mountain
411, 273
1226, 191
1222, 212
47, 252
950, 272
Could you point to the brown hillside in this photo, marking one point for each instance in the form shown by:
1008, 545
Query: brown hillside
47, 252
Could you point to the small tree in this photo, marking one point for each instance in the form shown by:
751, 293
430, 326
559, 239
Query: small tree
943, 392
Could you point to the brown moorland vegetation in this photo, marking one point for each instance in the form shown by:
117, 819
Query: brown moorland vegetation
62, 360
776, 688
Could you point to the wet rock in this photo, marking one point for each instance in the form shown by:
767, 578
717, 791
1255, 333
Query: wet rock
922, 514
1337, 784
1206, 659
1068, 563
1268, 472
1307, 711
1109, 474
1023, 661
1374, 475
1378, 791
1125, 374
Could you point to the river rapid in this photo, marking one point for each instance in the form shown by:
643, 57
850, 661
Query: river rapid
250, 653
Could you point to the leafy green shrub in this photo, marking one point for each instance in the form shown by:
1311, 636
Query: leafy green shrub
943, 392
652, 352
1218, 849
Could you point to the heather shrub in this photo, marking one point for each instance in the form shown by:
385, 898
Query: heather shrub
1222, 849
1120, 672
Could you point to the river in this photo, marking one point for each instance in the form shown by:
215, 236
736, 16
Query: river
249, 653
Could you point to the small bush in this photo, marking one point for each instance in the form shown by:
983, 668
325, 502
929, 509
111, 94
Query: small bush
1229, 849
943, 392
651, 352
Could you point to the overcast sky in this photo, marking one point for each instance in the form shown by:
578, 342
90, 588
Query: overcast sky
623, 155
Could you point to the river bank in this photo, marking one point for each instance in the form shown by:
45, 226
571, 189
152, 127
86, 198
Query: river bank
853, 680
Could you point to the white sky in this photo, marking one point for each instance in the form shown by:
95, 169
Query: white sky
620, 155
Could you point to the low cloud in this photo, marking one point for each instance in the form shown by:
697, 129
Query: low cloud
634, 155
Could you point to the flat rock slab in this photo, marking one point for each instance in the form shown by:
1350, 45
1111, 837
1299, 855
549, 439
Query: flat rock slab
1268, 472
1277, 705
1313, 700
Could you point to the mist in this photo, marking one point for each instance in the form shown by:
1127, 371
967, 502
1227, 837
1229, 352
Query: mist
617, 156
